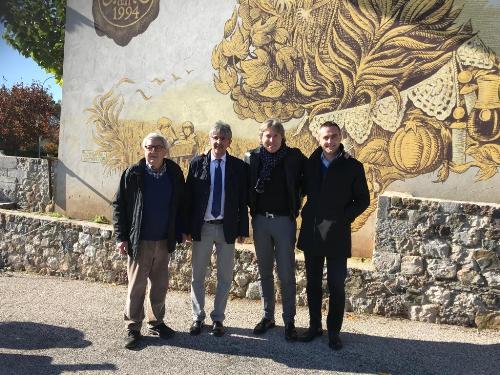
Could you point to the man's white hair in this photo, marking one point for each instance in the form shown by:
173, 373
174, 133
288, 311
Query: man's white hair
156, 136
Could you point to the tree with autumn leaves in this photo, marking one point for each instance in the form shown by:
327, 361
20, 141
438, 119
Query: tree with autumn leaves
27, 113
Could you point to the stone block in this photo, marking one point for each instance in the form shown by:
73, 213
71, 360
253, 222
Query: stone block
449, 207
462, 310
425, 313
8, 162
412, 265
469, 276
84, 239
387, 262
488, 320
492, 278
461, 254
105, 234
362, 305
487, 260
442, 269
253, 291
468, 237
407, 245
382, 207
7, 180
438, 295
435, 249
242, 279
90, 251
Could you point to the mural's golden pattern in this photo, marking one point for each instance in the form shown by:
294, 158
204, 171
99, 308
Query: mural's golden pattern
414, 92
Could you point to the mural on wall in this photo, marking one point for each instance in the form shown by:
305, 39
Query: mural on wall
414, 92
119, 139
121, 20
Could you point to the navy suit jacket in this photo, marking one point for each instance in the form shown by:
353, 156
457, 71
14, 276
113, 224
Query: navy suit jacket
235, 222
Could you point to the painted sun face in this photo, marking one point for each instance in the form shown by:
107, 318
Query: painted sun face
271, 140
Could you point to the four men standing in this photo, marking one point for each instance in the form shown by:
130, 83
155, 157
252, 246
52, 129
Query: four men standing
151, 205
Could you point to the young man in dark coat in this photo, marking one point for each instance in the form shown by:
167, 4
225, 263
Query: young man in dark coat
337, 193
275, 198
218, 215
148, 213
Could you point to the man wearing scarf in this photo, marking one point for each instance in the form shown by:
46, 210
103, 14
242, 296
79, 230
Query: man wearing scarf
275, 199
148, 216
337, 193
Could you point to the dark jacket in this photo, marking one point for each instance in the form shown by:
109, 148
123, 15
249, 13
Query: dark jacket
294, 169
333, 202
128, 203
235, 196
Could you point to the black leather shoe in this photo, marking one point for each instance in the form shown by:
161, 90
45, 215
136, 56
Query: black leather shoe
196, 327
162, 330
311, 334
334, 342
217, 329
290, 332
263, 326
132, 339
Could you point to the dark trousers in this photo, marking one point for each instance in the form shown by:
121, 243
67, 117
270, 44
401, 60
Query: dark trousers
336, 275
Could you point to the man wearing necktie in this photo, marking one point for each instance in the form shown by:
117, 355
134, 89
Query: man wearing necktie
216, 188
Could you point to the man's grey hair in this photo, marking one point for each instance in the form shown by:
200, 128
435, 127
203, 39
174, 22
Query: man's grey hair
156, 136
222, 129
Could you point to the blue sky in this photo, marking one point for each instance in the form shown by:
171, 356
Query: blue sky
15, 68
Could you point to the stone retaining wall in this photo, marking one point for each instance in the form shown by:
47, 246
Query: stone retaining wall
26, 182
443, 273
435, 261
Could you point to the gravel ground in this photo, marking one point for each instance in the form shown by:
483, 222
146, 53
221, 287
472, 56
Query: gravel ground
59, 326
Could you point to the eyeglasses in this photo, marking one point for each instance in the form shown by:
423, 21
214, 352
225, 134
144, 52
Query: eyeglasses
154, 147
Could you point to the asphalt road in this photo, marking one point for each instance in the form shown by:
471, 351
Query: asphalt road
59, 326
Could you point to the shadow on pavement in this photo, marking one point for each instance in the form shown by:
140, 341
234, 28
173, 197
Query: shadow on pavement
38, 336
361, 353
16, 364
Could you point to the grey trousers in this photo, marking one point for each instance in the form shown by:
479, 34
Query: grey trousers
275, 239
202, 251
150, 265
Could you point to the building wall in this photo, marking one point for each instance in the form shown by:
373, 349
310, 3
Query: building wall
417, 97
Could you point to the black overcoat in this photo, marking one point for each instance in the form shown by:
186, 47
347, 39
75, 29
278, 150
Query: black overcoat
235, 196
333, 202
128, 204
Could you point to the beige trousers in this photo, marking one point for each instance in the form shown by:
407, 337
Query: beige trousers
150, 265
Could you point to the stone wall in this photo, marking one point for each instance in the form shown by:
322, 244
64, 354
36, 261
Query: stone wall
435, 261
26, 182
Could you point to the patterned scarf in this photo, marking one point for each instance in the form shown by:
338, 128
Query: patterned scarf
269, 161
